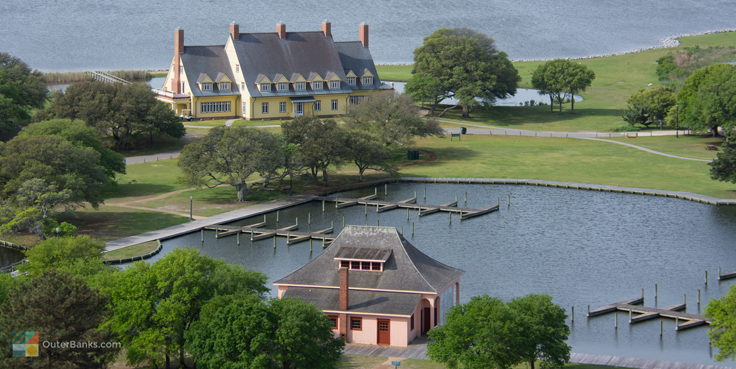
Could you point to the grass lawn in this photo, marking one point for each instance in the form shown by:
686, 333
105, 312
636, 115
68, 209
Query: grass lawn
560, 159
111, 222
131, 251
147, 179
687, 146
251, 123
162, 145
208, 123
617, 77
348, 361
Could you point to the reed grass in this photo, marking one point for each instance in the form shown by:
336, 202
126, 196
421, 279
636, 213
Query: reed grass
54, 78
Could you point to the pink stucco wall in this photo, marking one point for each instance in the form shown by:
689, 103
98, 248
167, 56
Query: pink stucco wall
368, 335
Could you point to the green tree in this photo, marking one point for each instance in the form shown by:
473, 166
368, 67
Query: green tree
467, 65
657, 102
393, 120
79, 134
560, 78
125, 113
723, 328
544, 331
154, 305
60, 164
426, 88
230, 156
21, 89
61, 308
321, 143
723, 168
637, 114
477, 335
30, 207
367, 153
79, 255
708, 99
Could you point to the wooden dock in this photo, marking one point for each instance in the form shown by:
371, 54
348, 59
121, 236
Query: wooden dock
634, 306
257, 233
410, 203
725, 276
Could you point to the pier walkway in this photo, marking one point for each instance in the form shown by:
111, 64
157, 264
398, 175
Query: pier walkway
634, 306
423, 209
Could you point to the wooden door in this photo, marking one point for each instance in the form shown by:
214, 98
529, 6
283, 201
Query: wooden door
425, 320
384, 331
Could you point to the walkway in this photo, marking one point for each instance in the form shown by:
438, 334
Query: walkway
419, 351
195, 225
648, 150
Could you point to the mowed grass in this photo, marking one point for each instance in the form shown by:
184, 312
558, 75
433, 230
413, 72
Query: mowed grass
252, 123
617, 77
147, 179
131, 251
687, 146
428, 364
111, 222
560, 159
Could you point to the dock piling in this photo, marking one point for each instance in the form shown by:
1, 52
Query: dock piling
274, 243
572, 314
378, 222
698, 297
323, 206
425, 193
385, 189
407, 214
201, 235
588, 309
237, 238
375, 191
365, 208
309, 218
661, 329
277, 217
656, 294
706, 278
629, 316
296, 221
465, 198
615, 321
449, 215
310, 245
412, 229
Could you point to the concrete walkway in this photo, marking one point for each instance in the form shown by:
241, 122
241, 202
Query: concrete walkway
195, 225
229, 122
648, 150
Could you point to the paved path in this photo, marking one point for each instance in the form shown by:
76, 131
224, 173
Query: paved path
419, 351
648, 150
195, 225
229, 122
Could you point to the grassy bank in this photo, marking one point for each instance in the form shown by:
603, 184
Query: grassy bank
375, 362
687, 146
617, 77
560, 159
131, 251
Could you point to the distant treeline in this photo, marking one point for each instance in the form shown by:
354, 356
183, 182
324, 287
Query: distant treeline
53, 78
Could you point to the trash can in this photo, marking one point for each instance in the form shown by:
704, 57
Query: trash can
463, 130
412, 155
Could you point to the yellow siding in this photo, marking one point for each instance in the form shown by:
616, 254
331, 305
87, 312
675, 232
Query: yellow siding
234, 106
254, 108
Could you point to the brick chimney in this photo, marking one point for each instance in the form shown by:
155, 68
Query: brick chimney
178, 49
234, 30
363, 34
344, 285
281, 30
327, 29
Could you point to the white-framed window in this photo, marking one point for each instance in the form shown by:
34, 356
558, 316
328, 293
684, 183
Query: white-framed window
215, 107
237, 68
334, 104
351, 81
283, 86
224, 86
317, 85
245, 107
264, 108
242, 86
317, 105
206, 86
367, 81
300, 86
265, 87
334, 85
355, 100
282, 107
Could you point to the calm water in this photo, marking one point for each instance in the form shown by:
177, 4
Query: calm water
580, 247
8, 256
523, 95
105, 34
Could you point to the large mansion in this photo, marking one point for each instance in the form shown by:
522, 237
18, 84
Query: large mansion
376, 287
271, 75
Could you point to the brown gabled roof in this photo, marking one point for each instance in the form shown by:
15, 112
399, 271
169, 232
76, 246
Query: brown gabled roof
406, 269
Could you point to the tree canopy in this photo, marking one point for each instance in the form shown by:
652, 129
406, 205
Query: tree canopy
650, 106
21, 89
723, 168
463, 64
78, 254
708, 99
723, 328
128, 114
562, 78
488, 333
78, 133
231, 155
61, 308
320, 142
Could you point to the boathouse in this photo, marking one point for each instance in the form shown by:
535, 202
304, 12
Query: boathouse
271, 75
376, 287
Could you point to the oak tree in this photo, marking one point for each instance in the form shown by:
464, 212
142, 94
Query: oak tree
707, 100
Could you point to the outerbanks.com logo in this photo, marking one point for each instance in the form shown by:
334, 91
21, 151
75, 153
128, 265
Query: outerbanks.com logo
27, 344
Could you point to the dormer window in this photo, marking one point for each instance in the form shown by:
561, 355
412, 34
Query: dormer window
300, 86
367, 81
265, 87
351, 81
362, 258
283, 86
224, 86
206, 86
334, 85
317, 85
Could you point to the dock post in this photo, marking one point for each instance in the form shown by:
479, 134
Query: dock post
425, 192
407, 214
588, 310
698, 297
237, 238
217, 233
201, 235
465, 198
509, 200
343, 221
449, 214
415, 195
310, 244
656, 294
377, 206
661, 328
264, 218
629, 316
309, 218
274, 242
642, 296
572, 314
615, 320
412, 229
365, 208
402, 230
323, 206
296, 221
677, 323
323, 243
706, 278
375, 191
385, 189
277, 217
378, 222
